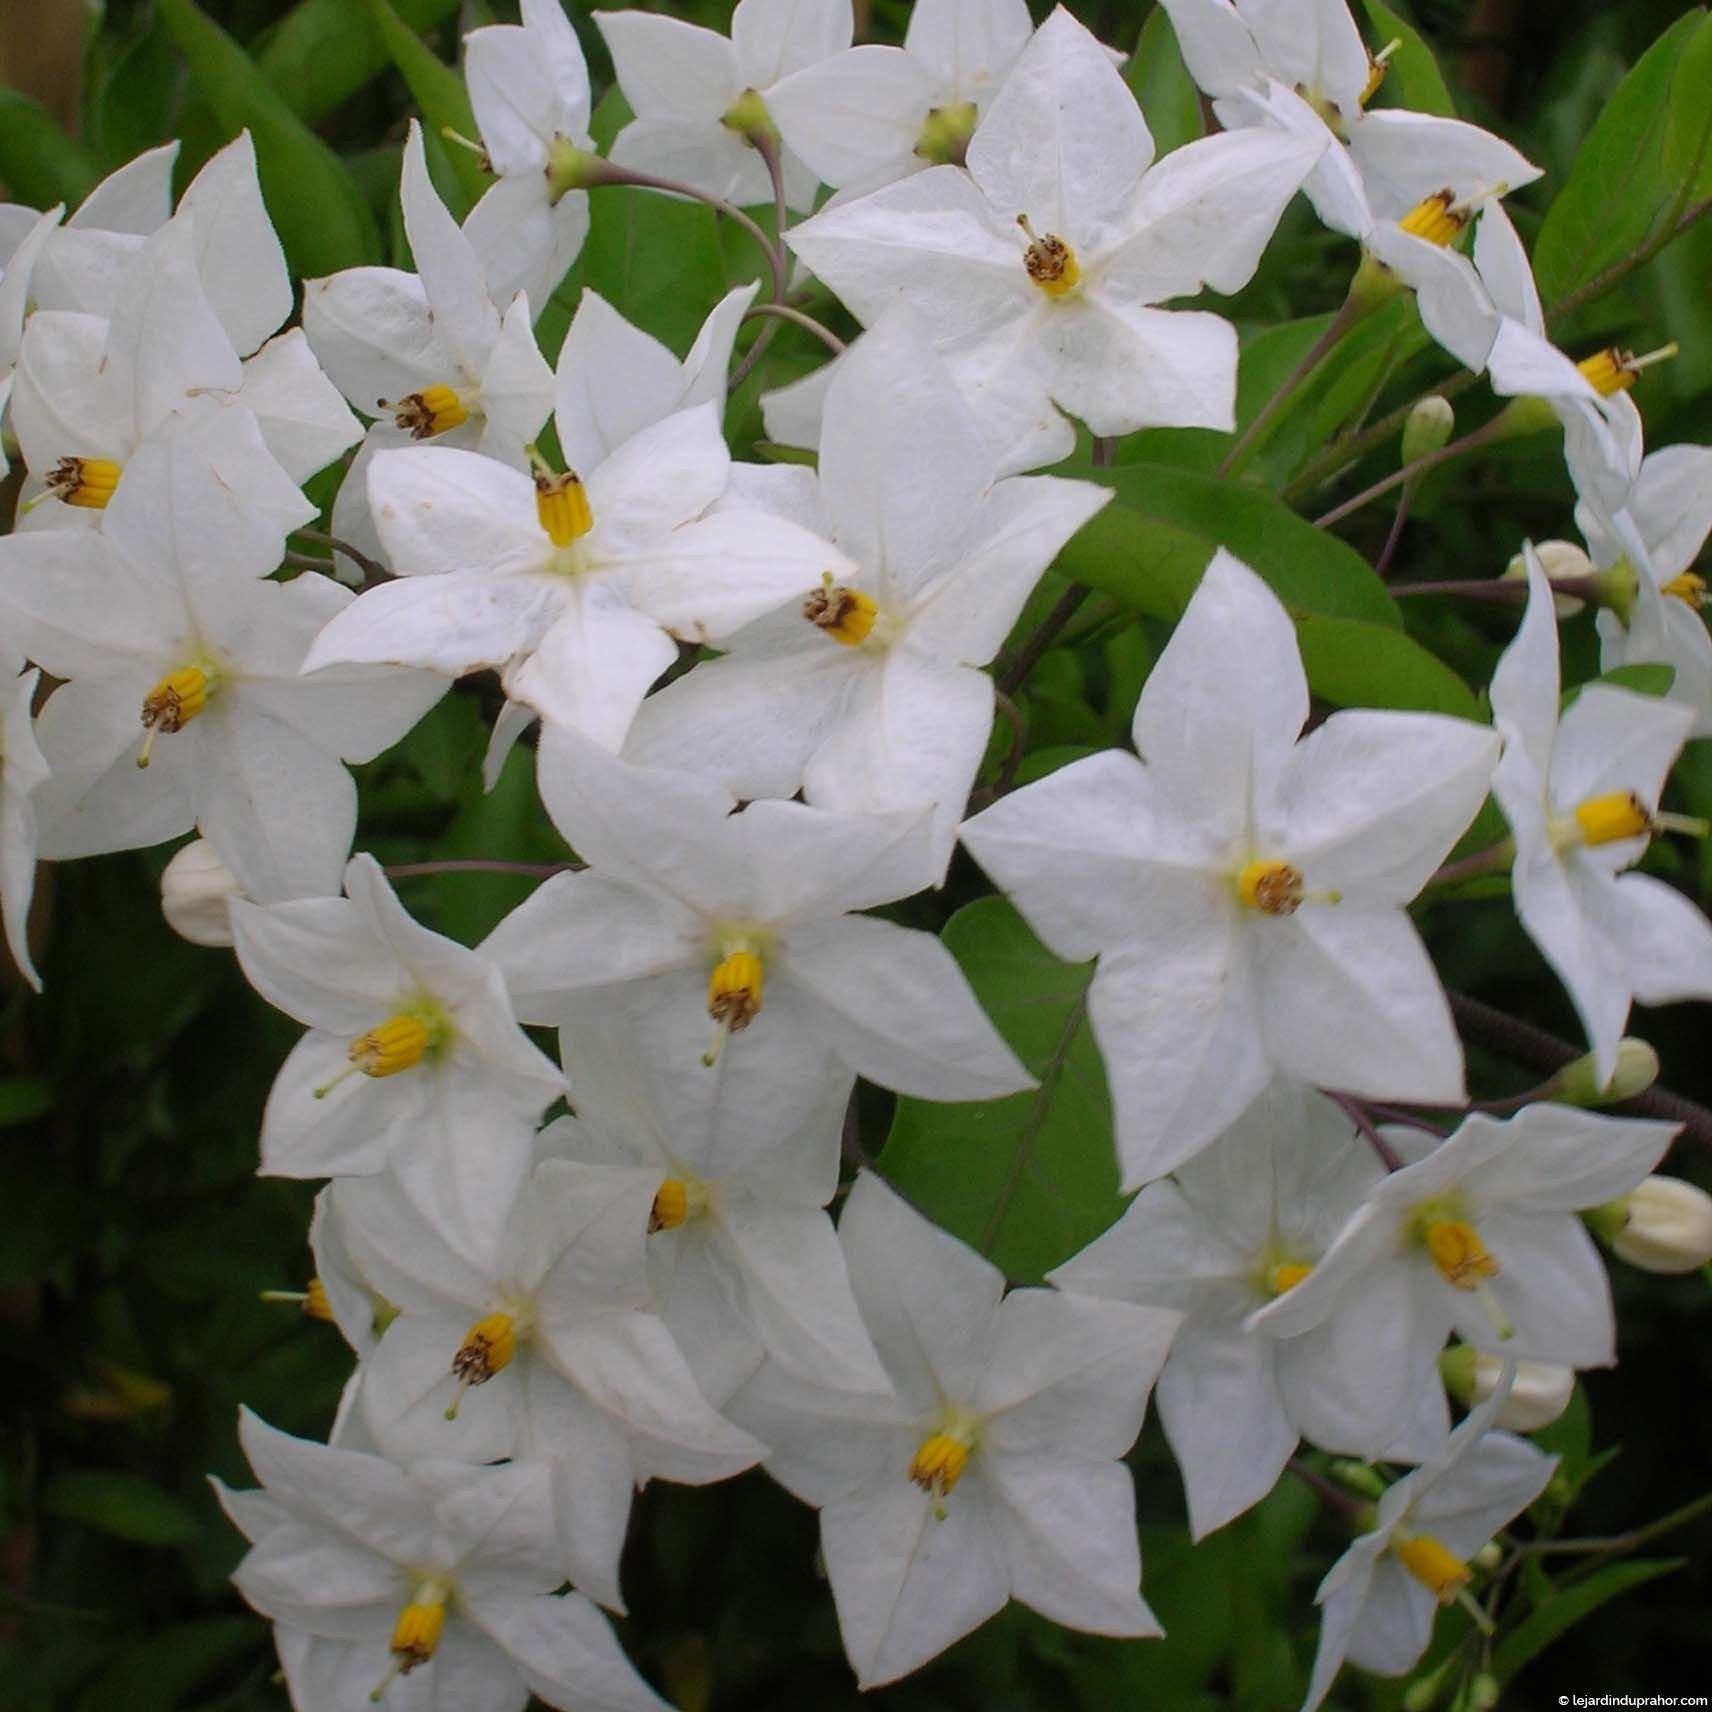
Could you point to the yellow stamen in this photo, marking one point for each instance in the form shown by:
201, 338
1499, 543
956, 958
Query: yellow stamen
734, 990
171, 705
938, 1465
1438, 219
315, 1303
1614, 816
415, 1635
488, 1346
1458, 1253
1689, 588
561, 503
431, 411
399, 1043
678, 1200
1286, 1275
1273, 888
1616, 370
1376, 69
1050, 262
88, 482
845, 614
1434, 1566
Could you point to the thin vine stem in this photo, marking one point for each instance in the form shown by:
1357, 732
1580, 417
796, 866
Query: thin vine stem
480, 865
801, 318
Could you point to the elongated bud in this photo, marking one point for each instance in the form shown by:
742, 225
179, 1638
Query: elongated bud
1561, 561
1429, 428
1667, 1228
1576, 1085
197, 889
1539, 1394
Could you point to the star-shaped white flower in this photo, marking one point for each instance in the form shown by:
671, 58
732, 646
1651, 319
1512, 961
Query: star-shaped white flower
1660, 530
540, 1350
993, 1473
1236, 1227
1379, 1600
185, 705
17, 301
529, 91
697, 95
1581, 796
434, 354
1301, 66
22, 773
1481, 1236
428, 1588
870, 115
744, 1155
414, 1058
1034, 270
869, 695
1244, 891
577, 587
742, 927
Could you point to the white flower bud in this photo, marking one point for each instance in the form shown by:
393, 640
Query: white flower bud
1428, 428
1540, 1394
1669, 1227
196, 889
1637, 1070
1559, 560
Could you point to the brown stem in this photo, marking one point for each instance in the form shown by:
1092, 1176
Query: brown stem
786, 312
1010, 676
1357, 1113
1411, 472
372, 569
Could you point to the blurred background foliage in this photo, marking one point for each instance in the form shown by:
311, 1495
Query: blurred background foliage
135, 1240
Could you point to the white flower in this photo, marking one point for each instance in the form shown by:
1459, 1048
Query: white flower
1301, 66
1481, 1237
433, 1587
529, 91
1245, 891
870, 115
1239, 1226
869, 695
1661, 529
993, 1473
746, 919
1601, 426
575, 586
1581, 796
698, 95
413, 1059
1380, 1598
1034, 270
197, 889
22, 773
433, 350
744, 1156
185, 706
538, 1350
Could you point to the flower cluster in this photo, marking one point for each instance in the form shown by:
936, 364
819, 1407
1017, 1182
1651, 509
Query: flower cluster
764, 700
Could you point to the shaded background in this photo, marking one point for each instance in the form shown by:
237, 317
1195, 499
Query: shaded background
135, 1238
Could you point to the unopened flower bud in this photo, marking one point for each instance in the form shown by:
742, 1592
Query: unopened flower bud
196, 893
1669, 1227
1561, 561
1428, 429
1359, 1478
1488, 1557
1637, 1069
1540, 1393
1483, 1693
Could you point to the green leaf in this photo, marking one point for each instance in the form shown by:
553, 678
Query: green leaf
163, 1672
1169, 99
439, 92
1618, 188
1644, 678
1412, 75
322, 219
1687, 153
1149, 565
1309, 569
133, 80
123, 1505
323, 51
22, 1099
1355, 664
39, 162
1564, 1609
1030, 1179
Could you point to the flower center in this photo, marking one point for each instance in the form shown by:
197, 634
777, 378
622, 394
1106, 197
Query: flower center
1459, 1254
1273, 888
416, 1633
940, 1459
1438, 219
488, 1347
1610, 818
88, 482
846, 615
1434, 1565
171, 705
1286, 1275
431, 411
561, 504
734, 993
1049, 261
398, 1044
676, 1202
1616, 370
1689, 588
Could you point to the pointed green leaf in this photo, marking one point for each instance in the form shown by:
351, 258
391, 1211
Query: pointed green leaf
1351, 663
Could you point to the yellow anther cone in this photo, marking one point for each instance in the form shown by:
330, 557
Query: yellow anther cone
1434, 1566
938, 1463
1436, 220
562, 505
1050, 262
399, 1043
1612, 817
1459, 1254
1273, 888
846, 615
